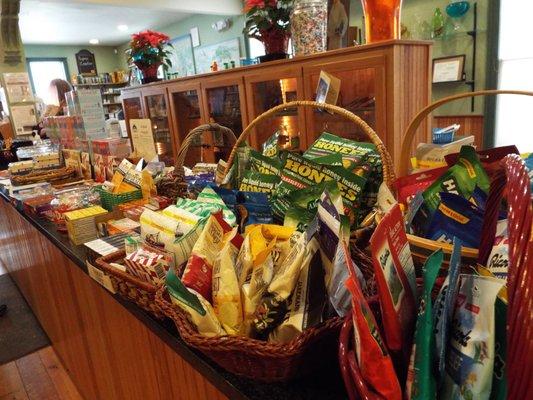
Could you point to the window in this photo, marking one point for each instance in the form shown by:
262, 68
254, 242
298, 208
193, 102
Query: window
256, 48
42, 71
514, 118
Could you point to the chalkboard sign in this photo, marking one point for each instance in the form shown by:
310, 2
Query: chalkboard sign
86, 63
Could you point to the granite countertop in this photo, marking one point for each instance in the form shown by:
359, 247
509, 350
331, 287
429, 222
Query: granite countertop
325, 384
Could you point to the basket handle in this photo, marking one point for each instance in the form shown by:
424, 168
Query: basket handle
388, 170
417, 120
227, 132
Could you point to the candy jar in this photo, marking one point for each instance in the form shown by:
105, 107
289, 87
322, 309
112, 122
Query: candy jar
309, 23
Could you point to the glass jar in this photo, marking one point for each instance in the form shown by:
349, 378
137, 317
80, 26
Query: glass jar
309, 26
382, 19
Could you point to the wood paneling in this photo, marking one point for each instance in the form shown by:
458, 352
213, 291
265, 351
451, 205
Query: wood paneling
470, 125
108, 353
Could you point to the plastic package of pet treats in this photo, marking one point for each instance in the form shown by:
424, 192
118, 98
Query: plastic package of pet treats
198, 272
373, 359
264, 165
264, 249
199, 309
299, 173
470, 354
395, 277
275, 301
226, 292
421, 383
444, 305
460, 179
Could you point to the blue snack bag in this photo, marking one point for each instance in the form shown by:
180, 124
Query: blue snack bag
456, 216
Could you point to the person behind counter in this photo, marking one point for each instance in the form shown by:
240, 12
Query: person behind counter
57, 90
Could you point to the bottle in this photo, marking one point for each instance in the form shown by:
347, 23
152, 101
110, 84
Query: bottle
214, 66
437, 23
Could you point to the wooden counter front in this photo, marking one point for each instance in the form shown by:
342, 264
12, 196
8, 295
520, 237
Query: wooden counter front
107, 351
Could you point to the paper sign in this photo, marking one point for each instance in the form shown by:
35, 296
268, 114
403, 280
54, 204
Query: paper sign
18, 87
100, 277
143, 138
328, 88
23, 118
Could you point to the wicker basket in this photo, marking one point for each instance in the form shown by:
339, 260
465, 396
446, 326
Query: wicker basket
52, 176
128, 286
174, 186
258, 359
421, 247
110, 200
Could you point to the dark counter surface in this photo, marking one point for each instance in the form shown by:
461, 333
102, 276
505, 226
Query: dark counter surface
325, 384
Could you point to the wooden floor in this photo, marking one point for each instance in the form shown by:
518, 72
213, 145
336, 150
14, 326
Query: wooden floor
37, 376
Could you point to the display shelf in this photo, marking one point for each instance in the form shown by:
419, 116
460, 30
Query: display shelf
112, 104
100, 84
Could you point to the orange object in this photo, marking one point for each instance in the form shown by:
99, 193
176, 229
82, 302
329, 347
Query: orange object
382, 19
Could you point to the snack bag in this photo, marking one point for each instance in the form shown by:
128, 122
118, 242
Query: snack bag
149, 263
208, 201
456, 217
373, 358
470, 355
395, 277
460, 179
298, 218
198, 272
263, 164
306, 302
420, 379
183, 245
160, 229
257, 182
226, 292
271, 146
199, 309
274, 302
498, 261
443, 307
408, 186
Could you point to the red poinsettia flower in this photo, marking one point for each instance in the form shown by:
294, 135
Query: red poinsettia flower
249, 4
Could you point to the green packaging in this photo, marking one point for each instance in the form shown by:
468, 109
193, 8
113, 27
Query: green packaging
299, 172
421, 383
257, 182
271, 147
460, 179
263, 164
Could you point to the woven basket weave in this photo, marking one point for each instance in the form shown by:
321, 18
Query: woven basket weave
128, 286
261, 360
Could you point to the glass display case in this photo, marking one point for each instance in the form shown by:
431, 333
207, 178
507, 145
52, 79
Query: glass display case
157, 112
185, 104
133, 107
357, 94
271, 90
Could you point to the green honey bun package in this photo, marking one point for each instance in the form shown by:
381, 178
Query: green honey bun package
471, 349
299, 173
258, 182
271, 146
460, 179
263, 164
421, 382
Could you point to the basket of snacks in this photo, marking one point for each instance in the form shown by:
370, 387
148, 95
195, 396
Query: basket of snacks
136, 276
174, 185
266, 301
467, 175
110, 200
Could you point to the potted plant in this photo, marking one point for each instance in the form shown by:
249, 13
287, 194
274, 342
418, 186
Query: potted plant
148, 51
268, 22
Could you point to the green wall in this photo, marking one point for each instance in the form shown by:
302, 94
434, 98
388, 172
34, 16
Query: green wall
106, 59
414, 14
207, 34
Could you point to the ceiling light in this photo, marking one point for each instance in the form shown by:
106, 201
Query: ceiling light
94, 41
122, 27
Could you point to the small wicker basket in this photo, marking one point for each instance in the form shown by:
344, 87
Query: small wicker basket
258, 359
128, 286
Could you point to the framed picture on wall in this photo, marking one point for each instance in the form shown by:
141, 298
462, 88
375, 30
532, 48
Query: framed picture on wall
222, 52
182, 57
86, 63
448, 69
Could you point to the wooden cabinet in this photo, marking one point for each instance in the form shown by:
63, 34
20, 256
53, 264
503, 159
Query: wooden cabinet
385, 84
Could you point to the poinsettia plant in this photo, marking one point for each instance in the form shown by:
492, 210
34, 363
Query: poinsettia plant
268, 20
150, 49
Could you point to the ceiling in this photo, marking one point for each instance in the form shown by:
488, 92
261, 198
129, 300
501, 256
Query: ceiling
75, 22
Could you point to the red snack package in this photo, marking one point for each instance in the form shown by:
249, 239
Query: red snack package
396, 281
490, 158
198, 273
408, 186
372, 357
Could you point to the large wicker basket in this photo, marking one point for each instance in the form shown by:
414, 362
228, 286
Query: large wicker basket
258, 359
421, 247
128, 286
174, 186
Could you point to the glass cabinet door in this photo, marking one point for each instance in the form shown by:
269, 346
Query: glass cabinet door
224, 107
357, 94
157, 111
132, 108
266, 94
187, 114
